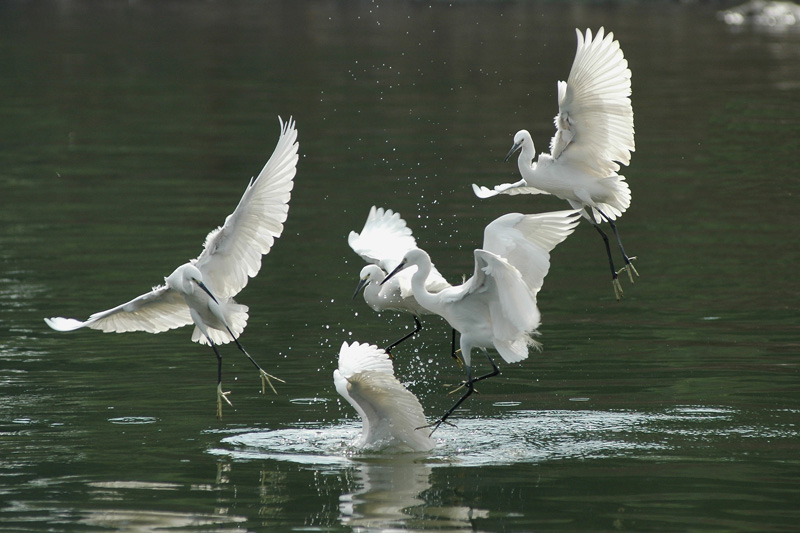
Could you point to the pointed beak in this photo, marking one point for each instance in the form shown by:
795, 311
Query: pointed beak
511, 152
400, 267
203, 286
361, 284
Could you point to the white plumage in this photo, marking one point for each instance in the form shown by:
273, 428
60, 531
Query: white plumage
383, 241
496, 308
390, 413
594, 135
202, 290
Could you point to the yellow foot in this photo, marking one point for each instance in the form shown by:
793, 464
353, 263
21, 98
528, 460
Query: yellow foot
617, 288
221, 396
265, 380
630, 269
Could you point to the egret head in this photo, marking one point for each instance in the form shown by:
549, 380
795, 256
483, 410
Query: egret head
185, 278
413, 257
519, 141
369, 274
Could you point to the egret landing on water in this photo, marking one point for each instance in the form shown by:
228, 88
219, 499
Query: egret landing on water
202, 290
496, 307
594, 134
389, 412
382, 243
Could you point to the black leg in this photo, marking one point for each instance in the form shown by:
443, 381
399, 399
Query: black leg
417, 329
219, 361
470, 388
265, 378
454, 352
628, 265
220, 395
608, 251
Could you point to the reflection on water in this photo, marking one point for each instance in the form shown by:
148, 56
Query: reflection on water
394, 490
145, 521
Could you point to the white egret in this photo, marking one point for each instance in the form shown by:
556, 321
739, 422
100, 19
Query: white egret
382, 243
496, 307
389, 412
594, 134
202, 290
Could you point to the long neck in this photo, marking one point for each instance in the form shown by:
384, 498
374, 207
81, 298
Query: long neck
425, 298
525, 159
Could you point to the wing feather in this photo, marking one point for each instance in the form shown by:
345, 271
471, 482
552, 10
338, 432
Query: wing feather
384, 239
594, 125
365, 378
158, 310
525, 241
232, 253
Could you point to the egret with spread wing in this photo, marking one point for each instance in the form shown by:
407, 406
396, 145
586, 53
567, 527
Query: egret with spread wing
382, 243
390, 413
202, 290
496, 308
594, 135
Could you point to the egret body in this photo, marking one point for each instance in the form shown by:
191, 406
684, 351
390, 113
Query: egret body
382, 243
495, 308
389, 412
201, 291
594, 135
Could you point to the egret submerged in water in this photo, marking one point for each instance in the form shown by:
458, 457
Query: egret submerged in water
389, 412
382, 243
202, 290
594, 135
495, 308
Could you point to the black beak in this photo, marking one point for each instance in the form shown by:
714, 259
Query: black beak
511, 152
361, 284
203, 286
400, 267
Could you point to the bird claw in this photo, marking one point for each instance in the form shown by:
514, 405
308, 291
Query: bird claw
617, 288
461, 386
221, 396
630, 269
435, 425
458, 359
265, 380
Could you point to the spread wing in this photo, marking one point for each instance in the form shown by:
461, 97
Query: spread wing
232, 253
525, 241
156, 311
594, 125
384, 240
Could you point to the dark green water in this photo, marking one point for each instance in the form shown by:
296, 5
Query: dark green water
129, 130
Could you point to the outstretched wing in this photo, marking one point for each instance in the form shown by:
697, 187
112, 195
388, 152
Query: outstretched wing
504, 188
525, 241
156, 311
232, 252
384, 240
594, 125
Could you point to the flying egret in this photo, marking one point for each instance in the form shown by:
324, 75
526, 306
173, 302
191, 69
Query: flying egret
594, 134
389, 412
496, 307
202, 290
382, 243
